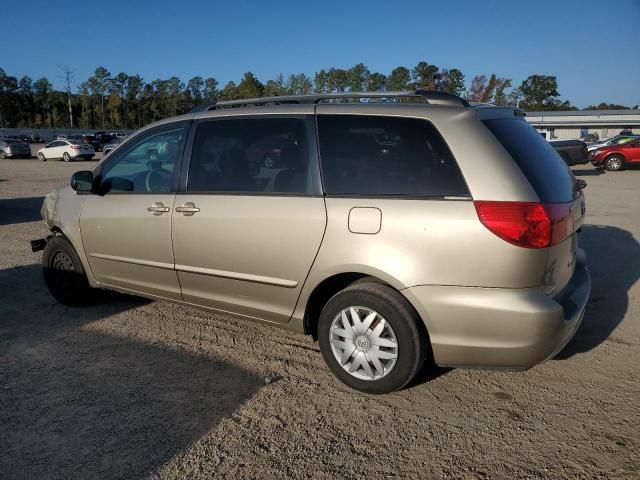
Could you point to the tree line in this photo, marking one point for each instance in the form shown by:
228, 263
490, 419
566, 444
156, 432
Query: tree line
124, 101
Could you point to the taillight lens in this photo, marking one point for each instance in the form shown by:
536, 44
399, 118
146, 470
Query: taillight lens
527, 224
75, 147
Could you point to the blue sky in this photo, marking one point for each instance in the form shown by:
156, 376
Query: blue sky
591, 46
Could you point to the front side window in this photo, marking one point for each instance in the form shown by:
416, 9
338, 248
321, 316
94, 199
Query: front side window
374, 155
147, 166
267, 155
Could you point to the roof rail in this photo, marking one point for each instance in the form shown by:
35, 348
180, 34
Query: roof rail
429, 96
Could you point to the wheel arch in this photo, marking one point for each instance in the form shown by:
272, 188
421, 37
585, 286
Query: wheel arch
329, 286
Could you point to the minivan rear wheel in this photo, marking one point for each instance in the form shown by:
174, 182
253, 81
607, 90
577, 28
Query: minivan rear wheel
369, 338
64, 274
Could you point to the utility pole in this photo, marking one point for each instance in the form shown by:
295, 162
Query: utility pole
68, 76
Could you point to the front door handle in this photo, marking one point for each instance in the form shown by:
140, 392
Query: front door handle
158, 208
188, 209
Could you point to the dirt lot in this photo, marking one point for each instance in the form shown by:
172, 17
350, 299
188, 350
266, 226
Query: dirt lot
133, 388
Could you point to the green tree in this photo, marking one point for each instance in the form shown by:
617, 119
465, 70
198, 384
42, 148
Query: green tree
607, 106
425, 76
337, 80
133, 96
9, 106
275, 87
230, 91
27, 106
321, 82
399, 79
195, 90
174, 96
102, 87
42, 95
539, 93
299, 84
500, 97
358, 77
376, 82
451, 81
249, 86
211, 89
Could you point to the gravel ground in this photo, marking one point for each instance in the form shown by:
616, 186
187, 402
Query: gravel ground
140, 389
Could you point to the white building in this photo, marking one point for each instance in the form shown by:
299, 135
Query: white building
577, 124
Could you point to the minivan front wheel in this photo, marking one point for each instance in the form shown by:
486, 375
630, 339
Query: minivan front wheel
369, 338
614, 163
64, 275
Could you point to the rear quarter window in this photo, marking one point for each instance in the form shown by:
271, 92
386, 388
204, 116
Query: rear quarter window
376, 155
547, 173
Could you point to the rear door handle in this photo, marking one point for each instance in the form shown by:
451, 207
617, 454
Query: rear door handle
188, 209
158, 208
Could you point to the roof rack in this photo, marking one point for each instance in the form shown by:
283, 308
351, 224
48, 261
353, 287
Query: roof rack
429, 96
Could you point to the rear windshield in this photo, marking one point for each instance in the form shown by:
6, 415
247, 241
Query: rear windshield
547, 173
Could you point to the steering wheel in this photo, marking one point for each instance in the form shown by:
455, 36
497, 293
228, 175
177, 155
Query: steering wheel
156, 178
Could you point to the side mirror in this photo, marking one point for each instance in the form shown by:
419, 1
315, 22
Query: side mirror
82, 181
581, 184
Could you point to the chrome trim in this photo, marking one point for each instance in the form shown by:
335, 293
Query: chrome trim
134, 261
246, 277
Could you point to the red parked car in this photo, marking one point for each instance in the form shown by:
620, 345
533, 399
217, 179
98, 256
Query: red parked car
617, 157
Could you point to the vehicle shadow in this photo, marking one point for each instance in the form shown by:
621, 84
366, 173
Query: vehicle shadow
613, 257
20, 210
80, 402
579, 172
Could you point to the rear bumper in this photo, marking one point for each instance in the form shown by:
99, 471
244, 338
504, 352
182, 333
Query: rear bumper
499, 328
18, 155
86, 156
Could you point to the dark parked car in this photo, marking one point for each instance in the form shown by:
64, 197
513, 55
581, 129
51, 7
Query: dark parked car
106, 149
13, 148
104, 139
590, 138
87, 139
573, 152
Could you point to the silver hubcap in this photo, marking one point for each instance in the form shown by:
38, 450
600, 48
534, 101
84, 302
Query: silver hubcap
614, 163
61, 261
363, 343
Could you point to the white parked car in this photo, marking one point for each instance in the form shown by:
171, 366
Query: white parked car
66, 150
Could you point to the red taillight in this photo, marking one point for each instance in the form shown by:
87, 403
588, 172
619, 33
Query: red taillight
527, 224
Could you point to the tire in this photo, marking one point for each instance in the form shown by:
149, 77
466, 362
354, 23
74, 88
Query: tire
387, 313
64, 274
41, 157
614, 163
3, 155
66, 157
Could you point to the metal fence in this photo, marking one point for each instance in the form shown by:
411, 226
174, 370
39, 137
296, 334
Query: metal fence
49, 134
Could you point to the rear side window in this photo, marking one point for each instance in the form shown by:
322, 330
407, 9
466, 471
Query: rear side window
374, 155
268, 155
547, 173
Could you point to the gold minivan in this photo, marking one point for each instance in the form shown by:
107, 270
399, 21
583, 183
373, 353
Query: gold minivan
392, 227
